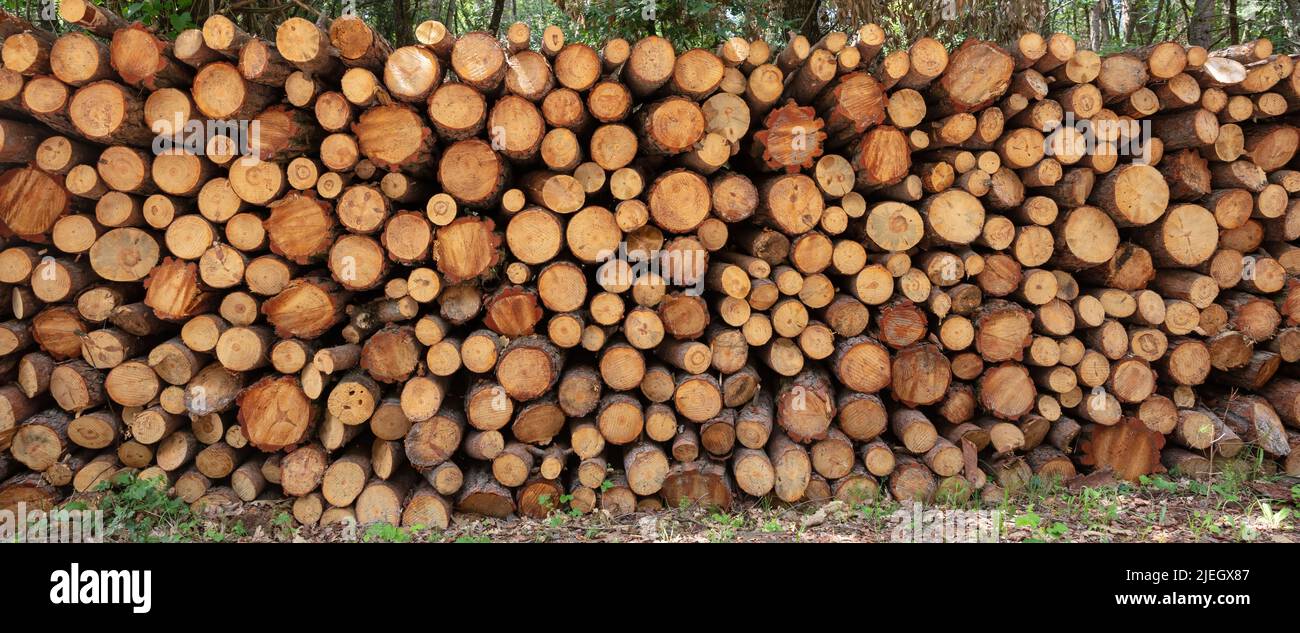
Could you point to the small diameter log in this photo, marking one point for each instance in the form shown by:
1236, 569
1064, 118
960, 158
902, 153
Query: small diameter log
792, 465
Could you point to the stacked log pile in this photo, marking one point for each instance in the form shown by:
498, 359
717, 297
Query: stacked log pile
477, 275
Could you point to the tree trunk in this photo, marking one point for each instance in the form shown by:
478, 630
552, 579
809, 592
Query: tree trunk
1200, 30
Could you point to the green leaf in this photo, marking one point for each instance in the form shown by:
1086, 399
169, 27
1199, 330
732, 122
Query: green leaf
1030, 520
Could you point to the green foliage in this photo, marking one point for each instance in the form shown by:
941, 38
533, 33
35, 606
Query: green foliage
1133, 23
283, 526
1120, 24
386, 533
1274, 519
168, 17
1041, 531
1201, 522
1158, 482
138, 508
688, 23
725, 526
1029, 519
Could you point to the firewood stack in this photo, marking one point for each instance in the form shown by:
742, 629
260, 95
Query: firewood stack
470, 275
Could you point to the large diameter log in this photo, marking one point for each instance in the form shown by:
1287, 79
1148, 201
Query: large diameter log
307, 46
851, 105
679, 201
391, 354
1184, 237
31, 201
467, 248
478, 60
358, 45
1129, 448
881, 157
671, 126
921, 375
702, 483
175, 292
413, 73
142, 59
29, 489
299, 227
394, 138
41, 440
953, 217
1084, 237
1121, 74
1007, 391
481, 494
108, 112
528, 368
306, 308
472, 173
861, 364
649, 65
77, 59
1133, 195
221, 92
978, 73
805, 406
791, 139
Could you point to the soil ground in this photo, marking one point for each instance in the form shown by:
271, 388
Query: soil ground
1160, 508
